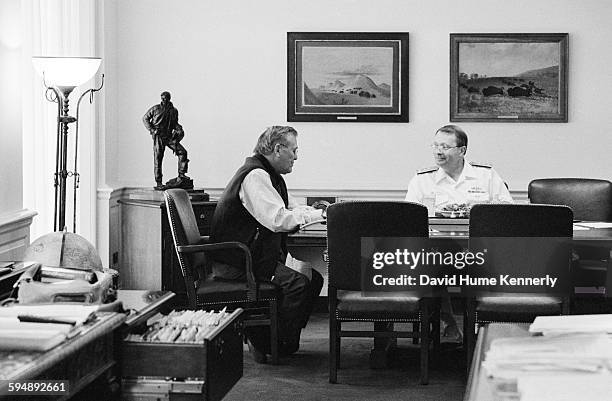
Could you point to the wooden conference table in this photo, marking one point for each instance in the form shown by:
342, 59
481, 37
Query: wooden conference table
455, 229
440, 228
315, 236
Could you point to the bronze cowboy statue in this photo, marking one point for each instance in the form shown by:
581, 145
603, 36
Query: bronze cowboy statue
162, 122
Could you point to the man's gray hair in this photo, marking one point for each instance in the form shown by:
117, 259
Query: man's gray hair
271, 136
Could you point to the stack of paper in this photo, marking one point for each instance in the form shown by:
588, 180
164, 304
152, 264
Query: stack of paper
594, 224
551, 325
516, 356
75, 312
592, 387
571, 361
36, 327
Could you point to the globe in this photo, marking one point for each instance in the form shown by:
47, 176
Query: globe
64, 249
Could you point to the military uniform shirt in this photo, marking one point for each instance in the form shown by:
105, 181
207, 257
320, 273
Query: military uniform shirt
478, 183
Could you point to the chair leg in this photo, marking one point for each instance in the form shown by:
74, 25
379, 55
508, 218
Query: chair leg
435, 326
469, 331
274, 331
424, 334
383, 346
338, 339
334, 347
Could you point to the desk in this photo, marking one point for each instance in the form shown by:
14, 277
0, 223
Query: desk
315, 238
87, 356
80, 360
316, 235
479, 388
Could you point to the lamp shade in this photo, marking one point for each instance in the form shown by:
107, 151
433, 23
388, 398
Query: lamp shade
66, 71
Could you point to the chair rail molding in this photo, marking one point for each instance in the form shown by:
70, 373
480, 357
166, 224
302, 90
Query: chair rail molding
340, 194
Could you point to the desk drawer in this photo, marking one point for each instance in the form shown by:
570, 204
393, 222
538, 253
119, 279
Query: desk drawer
204, 371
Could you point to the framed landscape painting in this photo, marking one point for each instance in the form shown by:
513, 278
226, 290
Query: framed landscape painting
508, 77
347, 76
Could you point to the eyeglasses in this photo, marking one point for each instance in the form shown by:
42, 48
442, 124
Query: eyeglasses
289, 149
443, 147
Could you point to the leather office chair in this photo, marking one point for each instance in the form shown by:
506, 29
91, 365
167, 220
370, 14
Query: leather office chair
489, 222
347, 223
590, 200
258, 299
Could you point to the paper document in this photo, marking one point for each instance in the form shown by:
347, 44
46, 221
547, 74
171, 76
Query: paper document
13, 323
578, 227
551, 347
572, 324
539, 355
77, 313
595, 224
299, 266
592, 387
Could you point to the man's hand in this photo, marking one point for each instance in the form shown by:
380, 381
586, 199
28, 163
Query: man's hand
322, 204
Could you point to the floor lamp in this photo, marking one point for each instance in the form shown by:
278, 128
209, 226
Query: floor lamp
60, 76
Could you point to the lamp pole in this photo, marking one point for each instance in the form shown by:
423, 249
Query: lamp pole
61, 172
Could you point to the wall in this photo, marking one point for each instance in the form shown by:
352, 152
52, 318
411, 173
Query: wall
14, 220
10, 106
225, 65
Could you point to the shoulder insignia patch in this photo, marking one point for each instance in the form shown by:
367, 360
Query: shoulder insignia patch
483, 165
428, 170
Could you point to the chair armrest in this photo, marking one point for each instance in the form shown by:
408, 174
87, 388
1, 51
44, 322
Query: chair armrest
205, 247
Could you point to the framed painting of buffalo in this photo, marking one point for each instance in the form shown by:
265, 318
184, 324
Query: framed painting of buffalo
347, 76
508, 77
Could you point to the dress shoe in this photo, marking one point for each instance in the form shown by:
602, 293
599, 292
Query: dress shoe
290, 344
258, 356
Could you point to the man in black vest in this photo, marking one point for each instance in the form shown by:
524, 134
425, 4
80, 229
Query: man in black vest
255, 209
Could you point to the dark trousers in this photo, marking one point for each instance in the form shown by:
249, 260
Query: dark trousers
159, 146
298, 296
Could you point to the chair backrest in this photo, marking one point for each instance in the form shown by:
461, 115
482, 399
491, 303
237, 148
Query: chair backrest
514, 220
590, 199
523, 255
184, 228
348, 222
181, 217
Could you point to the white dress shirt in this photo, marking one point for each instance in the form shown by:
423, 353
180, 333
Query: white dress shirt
476, 184
264, 203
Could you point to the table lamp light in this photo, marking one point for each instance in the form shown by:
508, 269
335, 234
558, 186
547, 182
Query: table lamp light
60, 76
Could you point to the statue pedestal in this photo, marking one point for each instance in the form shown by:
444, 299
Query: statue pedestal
196, 194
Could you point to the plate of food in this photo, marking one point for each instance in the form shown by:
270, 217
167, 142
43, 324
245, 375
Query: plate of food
454, 211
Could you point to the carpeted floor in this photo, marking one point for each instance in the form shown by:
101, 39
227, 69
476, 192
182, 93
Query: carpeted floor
304, 376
